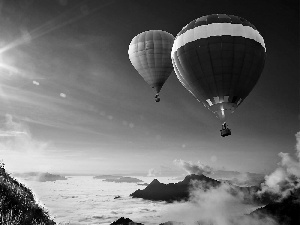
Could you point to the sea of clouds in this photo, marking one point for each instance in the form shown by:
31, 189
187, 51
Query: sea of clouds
85, 200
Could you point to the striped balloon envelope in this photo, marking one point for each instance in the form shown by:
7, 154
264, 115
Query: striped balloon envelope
149, 53
219, 59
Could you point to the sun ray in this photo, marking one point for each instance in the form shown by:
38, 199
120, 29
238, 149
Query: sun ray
53, 25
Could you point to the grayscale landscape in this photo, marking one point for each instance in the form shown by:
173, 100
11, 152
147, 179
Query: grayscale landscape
149, 112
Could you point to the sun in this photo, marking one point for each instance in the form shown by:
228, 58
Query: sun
6, 66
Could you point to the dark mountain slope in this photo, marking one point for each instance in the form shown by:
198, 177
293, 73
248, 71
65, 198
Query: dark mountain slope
17, 203
157, 191
180, 191
124, 221
286, 212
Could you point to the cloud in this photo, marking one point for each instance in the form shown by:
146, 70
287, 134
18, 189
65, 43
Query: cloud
63, 95
88, 202
193, 168
22, 152
218, 206
11, 133
248, 179
298, 144
35, 82
19, 149
164, 171
215, 206
16, 137
214, 158
48, 110
153, 172
292, 166
286, 177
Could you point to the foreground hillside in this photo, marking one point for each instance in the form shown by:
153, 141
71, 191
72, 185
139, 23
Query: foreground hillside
17, 203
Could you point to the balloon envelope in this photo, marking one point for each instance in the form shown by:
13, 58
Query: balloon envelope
149, 53
219, 59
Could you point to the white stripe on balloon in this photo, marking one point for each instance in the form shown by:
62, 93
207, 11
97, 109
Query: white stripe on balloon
216, 29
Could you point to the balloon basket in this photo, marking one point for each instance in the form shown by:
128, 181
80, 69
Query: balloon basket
225, 132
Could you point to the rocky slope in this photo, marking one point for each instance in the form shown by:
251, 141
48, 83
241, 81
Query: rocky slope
17, 203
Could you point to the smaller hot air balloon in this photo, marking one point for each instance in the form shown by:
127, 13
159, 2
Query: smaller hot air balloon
149, 53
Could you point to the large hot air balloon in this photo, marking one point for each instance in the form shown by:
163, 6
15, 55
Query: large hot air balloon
219, 59
149, 53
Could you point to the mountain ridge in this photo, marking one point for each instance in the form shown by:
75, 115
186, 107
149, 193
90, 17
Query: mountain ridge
179, 191
157, 191
286, 212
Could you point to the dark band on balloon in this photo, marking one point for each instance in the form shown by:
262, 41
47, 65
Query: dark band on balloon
219, 59
229, 66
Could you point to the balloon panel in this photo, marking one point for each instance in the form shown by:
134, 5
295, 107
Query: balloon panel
219, 62
149, 53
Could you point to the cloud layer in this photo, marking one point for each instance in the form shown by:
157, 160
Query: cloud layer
286, 177
215, 206
193, 168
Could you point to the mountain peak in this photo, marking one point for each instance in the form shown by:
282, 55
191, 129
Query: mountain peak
154, 182
125, 221
173, 191
201, 177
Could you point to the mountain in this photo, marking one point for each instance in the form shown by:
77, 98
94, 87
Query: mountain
118, 179
127, 221
286, 212
123, 180
18, 205
124, 221
107, 176
41, 177
172, 223
157, 191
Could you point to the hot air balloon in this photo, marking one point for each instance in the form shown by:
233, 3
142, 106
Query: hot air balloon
149, 53
219, 58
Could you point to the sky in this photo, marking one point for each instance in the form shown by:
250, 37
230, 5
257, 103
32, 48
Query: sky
71, 101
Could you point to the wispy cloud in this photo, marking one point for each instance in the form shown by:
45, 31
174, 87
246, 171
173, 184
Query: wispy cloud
53, 111
22, 152
286, 176
164, 171
69, 17
214, 206
152, 172
16, 137
19, 149
193, 168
